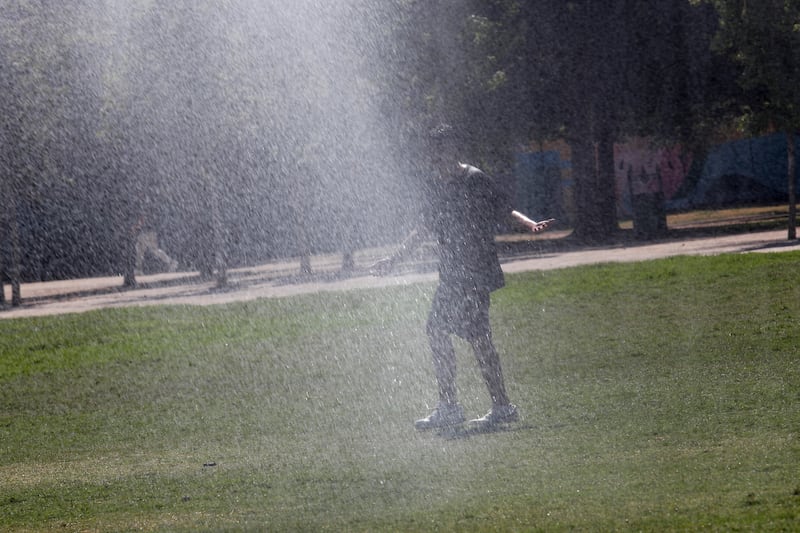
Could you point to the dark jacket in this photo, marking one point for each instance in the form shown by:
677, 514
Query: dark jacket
463, 214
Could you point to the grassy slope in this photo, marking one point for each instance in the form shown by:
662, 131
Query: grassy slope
660, 395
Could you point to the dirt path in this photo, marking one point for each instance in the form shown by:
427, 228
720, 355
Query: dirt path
280, 279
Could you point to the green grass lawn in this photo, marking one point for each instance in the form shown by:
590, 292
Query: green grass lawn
655, 396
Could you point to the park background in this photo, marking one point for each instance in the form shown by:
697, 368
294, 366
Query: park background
245, 131
657, 395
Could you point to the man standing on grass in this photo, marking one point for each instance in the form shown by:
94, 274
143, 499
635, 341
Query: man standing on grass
464, 211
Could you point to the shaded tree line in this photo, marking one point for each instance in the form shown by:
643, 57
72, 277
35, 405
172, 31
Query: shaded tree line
251, 130
243, 131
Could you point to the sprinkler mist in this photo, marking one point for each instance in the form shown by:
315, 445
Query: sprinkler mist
263, 130
251, 130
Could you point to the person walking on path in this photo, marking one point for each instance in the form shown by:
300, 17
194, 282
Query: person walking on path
465, 208
147, 242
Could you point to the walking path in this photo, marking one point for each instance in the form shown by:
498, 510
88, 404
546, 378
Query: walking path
280, 279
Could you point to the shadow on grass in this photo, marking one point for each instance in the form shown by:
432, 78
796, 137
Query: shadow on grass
467, 432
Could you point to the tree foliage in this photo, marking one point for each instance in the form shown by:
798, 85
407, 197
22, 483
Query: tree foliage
589, 73
246, 130
762, 37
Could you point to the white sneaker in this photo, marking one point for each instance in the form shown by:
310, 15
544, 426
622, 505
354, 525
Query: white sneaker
500, 414
444, 415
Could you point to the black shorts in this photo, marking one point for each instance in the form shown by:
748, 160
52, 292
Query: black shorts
462, 310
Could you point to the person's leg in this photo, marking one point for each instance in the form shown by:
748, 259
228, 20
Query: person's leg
480, 337
438, 331
477, 331
448, 411
491, 369
444, 363
502, 411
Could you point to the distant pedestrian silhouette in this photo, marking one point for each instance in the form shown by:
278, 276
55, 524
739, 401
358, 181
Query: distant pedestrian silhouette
147, 242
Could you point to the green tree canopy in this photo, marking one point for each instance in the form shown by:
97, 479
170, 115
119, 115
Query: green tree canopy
762, 37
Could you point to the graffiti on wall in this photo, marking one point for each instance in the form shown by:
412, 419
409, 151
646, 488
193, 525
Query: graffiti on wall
643, 167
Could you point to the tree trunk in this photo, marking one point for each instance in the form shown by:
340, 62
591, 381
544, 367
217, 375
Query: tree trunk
129, 256
595, 198
13, 268
302, 240
220, 260
348, 262
128, 228
15, 272
3, 260
791, 161
305, 264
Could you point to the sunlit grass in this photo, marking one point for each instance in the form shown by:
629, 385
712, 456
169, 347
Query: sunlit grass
740, 218
656, 396
728, 215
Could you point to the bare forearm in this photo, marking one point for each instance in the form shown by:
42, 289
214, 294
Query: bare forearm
522, 219
532, 225
409, 244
